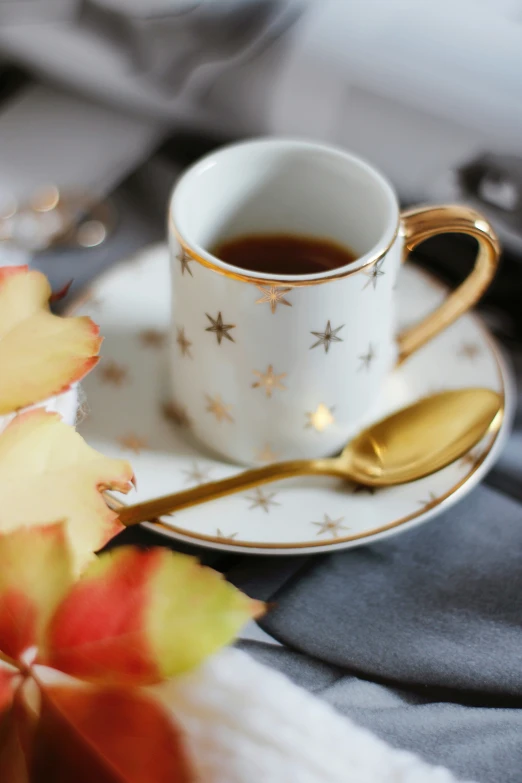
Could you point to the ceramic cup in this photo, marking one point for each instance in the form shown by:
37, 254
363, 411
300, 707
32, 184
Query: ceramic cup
269, 367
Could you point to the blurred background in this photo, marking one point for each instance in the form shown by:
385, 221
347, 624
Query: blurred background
103, 102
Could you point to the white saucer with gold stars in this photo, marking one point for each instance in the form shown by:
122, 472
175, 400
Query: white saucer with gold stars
129, 416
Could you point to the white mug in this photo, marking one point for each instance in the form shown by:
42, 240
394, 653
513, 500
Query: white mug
269, 367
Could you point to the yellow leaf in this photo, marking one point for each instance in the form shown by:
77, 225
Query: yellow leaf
41, 354
35, 574
49, 473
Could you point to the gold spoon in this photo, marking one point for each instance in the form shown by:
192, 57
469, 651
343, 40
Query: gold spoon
412, 443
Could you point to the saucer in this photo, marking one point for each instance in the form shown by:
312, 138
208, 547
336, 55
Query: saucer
129, 417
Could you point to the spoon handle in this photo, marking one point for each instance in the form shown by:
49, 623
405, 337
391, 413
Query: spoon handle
152, 509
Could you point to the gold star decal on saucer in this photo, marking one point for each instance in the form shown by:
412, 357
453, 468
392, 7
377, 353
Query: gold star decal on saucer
114, 373
470, 351
152, 338
367, 358
332, 526
373, 274
432, 497
175, 413
360, 488
196, 475
219, 328
327, 337
219, 534
184, 344
184, 259
262, 499
319, 419
274, 295
269, 380
266, 454
133, 442
216, 406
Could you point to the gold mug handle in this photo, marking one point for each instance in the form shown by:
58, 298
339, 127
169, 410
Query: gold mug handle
422, 223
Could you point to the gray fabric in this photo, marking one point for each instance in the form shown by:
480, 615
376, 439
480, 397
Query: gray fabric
192, 61
417, 638
476, 741
440, 605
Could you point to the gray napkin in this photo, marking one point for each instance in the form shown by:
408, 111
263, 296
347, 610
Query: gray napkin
476, 739
438, 606
418, 638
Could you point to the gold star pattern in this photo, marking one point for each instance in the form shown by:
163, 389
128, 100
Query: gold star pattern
319, 419
175, 413
196, 475
216, 406
152, 338
327, 337
133, 442
184, 344
432, 497
114, 373
470, 351
274, 295
367, 358
184, 259
266, 454
219, 534
219, 328
360, 488
373, 274
332, 526
262, 500
269, 380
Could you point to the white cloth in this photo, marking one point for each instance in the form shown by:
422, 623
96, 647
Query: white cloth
244, 722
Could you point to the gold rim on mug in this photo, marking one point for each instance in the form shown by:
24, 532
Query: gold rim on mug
287, 281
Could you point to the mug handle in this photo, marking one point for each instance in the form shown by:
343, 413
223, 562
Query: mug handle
421, 223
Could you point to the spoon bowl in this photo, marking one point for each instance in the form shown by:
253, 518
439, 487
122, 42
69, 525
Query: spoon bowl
408, 445
422, 438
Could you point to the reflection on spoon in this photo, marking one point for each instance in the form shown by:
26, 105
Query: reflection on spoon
408, 445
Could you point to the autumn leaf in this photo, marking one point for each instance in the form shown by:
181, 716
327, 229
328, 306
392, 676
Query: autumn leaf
138, 617
33, 579
74, 654
107, 735
8, 674
41, 354
16, 733
13, 761
48, 473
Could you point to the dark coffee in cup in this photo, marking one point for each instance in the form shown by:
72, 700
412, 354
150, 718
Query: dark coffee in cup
284, 254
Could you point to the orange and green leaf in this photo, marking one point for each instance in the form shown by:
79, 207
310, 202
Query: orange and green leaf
41, 354
107, 735
49, 473
138, 617
35, 574
9, 677
16, 728
13, 761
